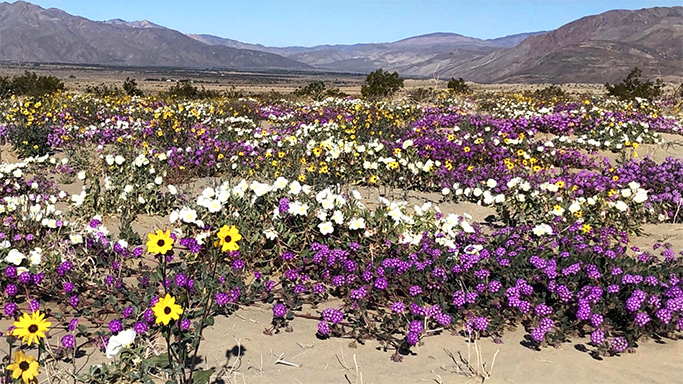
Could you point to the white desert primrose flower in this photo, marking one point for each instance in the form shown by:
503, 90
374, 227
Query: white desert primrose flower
117, 342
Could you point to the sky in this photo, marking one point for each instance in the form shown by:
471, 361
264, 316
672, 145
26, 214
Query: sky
314, 22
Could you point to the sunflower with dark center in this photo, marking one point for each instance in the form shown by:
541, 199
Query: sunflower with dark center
160, 242
228, 238
166, 310
24, 367
30, 327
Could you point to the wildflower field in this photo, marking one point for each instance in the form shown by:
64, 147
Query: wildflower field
329, 213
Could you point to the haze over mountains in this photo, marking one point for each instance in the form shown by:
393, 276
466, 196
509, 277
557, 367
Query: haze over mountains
595, 48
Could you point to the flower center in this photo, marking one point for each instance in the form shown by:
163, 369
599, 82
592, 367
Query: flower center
33, 328
167, 310
161, 242
24, 365
228, 239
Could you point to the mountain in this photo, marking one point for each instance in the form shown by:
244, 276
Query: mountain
134, 24
29, 33
512, 40
593, 49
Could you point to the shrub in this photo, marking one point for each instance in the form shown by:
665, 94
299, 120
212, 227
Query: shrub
317, 90
631, 87
130, 86
459, 86
184, 89
421, 95
103, 90
552, 91
30, 140
381, 84
5, 87
30, 84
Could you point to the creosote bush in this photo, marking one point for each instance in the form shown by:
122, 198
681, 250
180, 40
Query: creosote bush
379, 84
631, 87
29, 84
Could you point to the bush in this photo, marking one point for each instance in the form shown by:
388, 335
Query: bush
317, 91
381, 84
5, 87
458, 86
547, 93
184, 89
103, 90
631, 87
421, 95
30, 140
130, 86
30, 84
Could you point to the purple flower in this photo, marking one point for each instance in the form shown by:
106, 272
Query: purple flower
185, 324
480, 323
10, 308
332, 315
68, 341
25, 277
140, 327
149, 315
323, 328
415, 290
180, 280
412, 338
618, 344
381, 283
73, 324
543, 310
11, 289
598, 337
398, 307
115, 326
34, 305
415, 326
11, 271
279, 310
127, 312
597, 319
641, 319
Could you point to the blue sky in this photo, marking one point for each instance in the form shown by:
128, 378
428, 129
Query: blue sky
312, 22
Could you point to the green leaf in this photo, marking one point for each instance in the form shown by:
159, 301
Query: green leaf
160, 360
202, 377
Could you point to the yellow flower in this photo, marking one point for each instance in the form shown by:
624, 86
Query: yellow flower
373, 179
466, 149
229, 236
166, 310
31, 327
24, 367
160, 243
586, 228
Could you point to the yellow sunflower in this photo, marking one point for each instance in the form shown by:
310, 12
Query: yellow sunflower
166, 310
229, 236
24, 366
31, 327
160, 243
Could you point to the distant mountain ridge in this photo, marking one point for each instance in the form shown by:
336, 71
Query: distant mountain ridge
29, 33
595, 48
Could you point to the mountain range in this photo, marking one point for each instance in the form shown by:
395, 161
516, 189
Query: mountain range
593, 49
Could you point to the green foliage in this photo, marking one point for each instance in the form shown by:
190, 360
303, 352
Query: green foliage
103, 90
631, 87
130, 86
5, 87
184, 89
30, 84
552, 91
317, 90
380, 84
421, 95
459, 86
30, 140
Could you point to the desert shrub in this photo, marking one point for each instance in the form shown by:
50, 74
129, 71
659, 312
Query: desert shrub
30, 140
317, 90
103, 90
5, 87
631, 87
381, 84
30, 84
459, 86
130, 86
184, 89
549, 92
421, 95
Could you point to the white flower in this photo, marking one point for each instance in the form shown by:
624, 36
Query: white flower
141, 200
270, 233
574, 207
542, 229
17, 173
620, 205
445, 191
214, 205
81, 175
119, 159
5, 244
356, 195
188, 215
466, 227
128, 188
76, 238
626, 193
158, 180
326, 228
558, 211
172, 189
259, 189
173, 217
36, 256
280, 183
640, 196
491, 183
294, 188
338, 217
356, 223
14, 257
298, 209
117, 342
